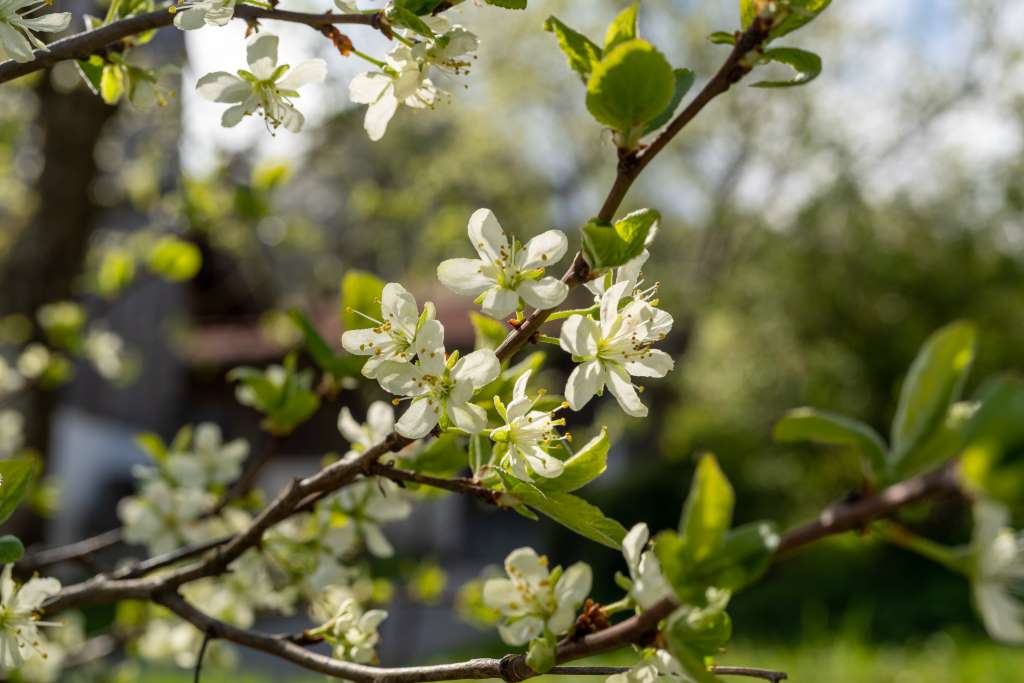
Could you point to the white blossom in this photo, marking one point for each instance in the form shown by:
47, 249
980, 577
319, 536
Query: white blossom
615, 348
12, 432
211, 462
649, 584
402, 82
105, 350
34, 360
162, 517
526, 434
17, 40
265, 86
629, 272
10, 379
655, 665
367, 504
998, 572
195, 14
440, 388
19, 624
533, 599
353, 633
506, 272
399, 336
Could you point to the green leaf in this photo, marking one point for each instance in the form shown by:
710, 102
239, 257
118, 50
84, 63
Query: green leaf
622, 28
692, 662
571, 512
748, 12
174, 259
807, 66
609, 246
112, 83
704, 634
489, 332
152, 445
830, 429
508, 4
361, 292
583, 54
801, 12
945, 442
116, 271
324, 356
630, 86
933, 384
417, 7
11, 549
992, 463
586, 465
684, 81
744, 556
16, 478
399, 16
707, 513
442, 455
722, 38
91, 71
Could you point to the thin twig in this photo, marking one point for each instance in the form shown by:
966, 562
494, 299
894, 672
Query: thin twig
457, 485
750, 672
200, 656
83, 45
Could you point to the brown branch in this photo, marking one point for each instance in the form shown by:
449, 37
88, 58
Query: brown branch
77, 551
456, 485
83, 45
750, 672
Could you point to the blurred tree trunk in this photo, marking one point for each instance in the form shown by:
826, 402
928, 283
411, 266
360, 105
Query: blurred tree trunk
48, 256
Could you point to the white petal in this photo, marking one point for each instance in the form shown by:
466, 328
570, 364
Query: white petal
546, 292
583, 383
500, 594
34, 592
366, 88
624, 391
310, 71
17, 46
261, 53
419, 419
429, 347
233, 115
1002, 614
524, 564
48, 23
579, 336
521, 631
378, 115
401, 379
655, 363
542, 462
381, 418
464, 276
486, 236
574, 584
348, 427
469, 417
220, 86
478, 368
519, 390
633, 545
291, 118
499, 303
610, 306
190, 19
544, 250
376, 542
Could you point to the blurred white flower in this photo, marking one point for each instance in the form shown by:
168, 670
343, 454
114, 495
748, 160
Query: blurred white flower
998, 572
367, 504
195, 14
12, 432
380, 423
506, 272
105, 350
628, 272
265, 86
353, 633
10, 379
614, 348
649, 584
533, 599
655, 665
162, 518
211, 462
526, 435
33, 361
19, 632
17, 40
399, 337
402, 82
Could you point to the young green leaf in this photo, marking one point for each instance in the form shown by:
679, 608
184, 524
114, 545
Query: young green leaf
571, 512
400, 16
581, 52
748, 12
541, 655
704, 632
800, 13
489, 332
722, 38
684, 81
933, 384
586, 465
174, 260
91, 71
326, 358
707, 513
992, 463
807, 66
508, 4
112, 83
16, 478
630, 86
609, 246
11, 549
622, 28
830, 429
744, 556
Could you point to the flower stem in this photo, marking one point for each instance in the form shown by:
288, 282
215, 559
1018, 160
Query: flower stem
937, 552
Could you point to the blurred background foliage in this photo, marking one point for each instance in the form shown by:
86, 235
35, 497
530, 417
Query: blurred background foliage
811, 241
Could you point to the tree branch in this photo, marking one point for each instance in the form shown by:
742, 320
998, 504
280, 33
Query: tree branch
456, 485
83, 45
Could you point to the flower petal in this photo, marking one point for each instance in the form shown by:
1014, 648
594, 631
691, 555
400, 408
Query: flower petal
378, 115
429, 347
17, 46
261, 53
367, 88
309, 71
401, 379
544, 250
654, 363
583, 383
579, 336
233, 115
381, 418
419, 419
499, 303
521, 631
624, 391
478, 368
547, 292
633, 545
464, 276
486, 236
469, 417
190, 19
220, 86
